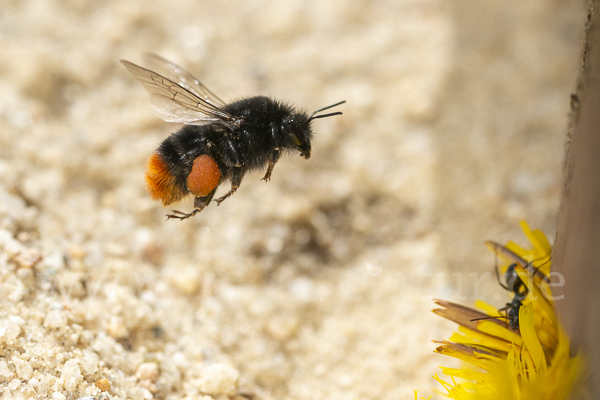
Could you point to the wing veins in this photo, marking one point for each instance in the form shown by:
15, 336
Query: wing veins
185, 79
183, 98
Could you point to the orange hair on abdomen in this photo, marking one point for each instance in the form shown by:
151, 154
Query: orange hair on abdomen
160, 183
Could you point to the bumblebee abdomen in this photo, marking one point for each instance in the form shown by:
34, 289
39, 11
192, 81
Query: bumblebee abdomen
160, 182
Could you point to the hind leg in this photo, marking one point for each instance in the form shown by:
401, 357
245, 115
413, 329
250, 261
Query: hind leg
199, 204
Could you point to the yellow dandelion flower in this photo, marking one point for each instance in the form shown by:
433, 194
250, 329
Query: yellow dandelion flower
523, 354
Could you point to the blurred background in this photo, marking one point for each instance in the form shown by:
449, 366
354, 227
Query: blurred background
317, 285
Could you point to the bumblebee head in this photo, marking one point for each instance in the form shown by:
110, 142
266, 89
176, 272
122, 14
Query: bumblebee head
300, 134
303, 142
298, 126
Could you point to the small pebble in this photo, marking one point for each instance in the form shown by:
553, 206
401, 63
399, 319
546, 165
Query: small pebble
28, 258
71, 375
76, 253
5, 237
5, 373
9, 330
103, 384
89, 363
116, 328
217, 378
24, 370
13, 247
149, 385
281, 328
18, 293
186, 280
14, 384
16, 319
55, 319
147, 371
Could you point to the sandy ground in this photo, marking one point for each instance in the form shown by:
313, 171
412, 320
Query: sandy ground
317, 285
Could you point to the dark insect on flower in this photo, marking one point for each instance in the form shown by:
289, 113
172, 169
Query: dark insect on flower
220, 141
514, 284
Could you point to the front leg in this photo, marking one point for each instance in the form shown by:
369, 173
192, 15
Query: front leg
272, 162
276, 152
199, 204
236, 180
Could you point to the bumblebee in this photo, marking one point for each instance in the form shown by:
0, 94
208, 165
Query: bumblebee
220, 142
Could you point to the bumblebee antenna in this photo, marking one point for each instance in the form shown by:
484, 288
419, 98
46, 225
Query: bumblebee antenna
327, 108
326, 115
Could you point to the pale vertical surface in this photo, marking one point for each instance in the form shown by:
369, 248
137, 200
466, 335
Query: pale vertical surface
577, 253
317, 285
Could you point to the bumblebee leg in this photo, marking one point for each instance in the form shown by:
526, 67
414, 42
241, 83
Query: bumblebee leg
272, 162
236, 179
199, 204
276, 153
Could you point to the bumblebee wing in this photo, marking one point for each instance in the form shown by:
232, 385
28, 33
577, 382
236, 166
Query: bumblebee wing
183, 78
174, 103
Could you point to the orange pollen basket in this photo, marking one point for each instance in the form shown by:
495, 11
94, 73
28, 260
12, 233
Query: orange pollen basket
204, 177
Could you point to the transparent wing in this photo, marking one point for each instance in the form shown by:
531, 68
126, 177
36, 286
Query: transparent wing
182, 77
175, 103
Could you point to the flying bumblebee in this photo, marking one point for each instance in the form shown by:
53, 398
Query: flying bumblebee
220, 141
